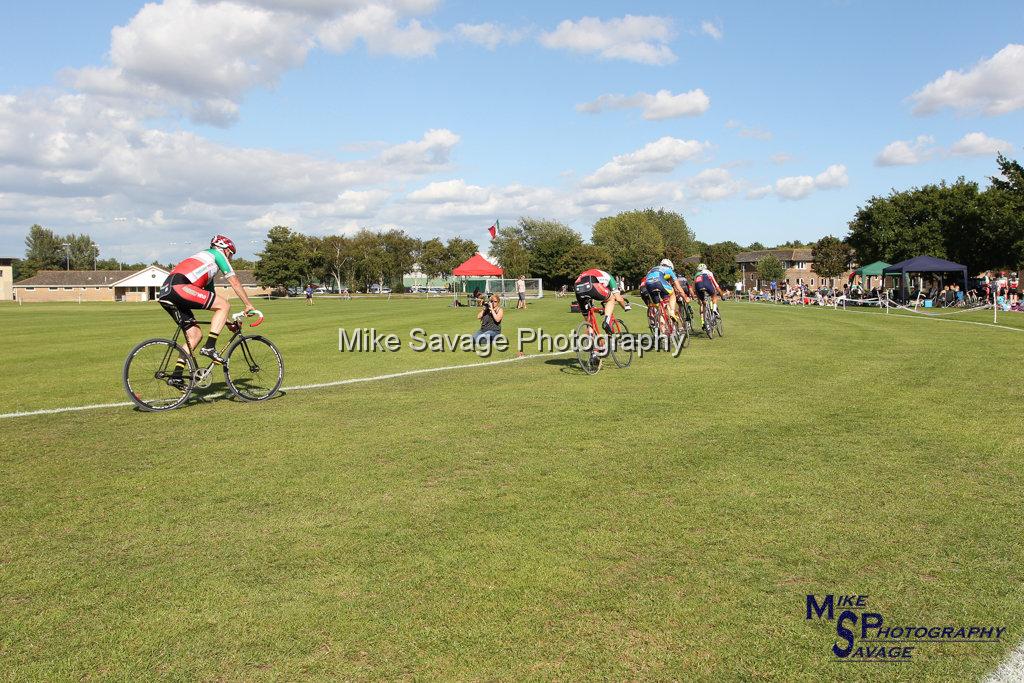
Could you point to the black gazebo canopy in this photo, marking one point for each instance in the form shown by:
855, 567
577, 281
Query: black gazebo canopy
924, 264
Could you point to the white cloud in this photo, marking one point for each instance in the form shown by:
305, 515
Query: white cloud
661, 105
201, 57
801, 187
832, 177
380, 29
714, 184
993, 86
660, 156
754, 132
713, 29
906, 152
641, 39
759, 192
979, 144
490, 35
781, 158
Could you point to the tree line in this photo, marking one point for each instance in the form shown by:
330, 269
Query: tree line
291, 258
983, 229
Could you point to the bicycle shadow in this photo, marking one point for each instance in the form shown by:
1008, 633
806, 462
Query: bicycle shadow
570, 366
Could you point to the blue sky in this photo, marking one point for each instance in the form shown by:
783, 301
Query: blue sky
151, 125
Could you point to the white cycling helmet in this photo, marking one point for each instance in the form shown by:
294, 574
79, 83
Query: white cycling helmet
667, 263
702, 266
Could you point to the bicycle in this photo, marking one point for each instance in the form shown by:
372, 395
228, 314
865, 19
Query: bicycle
150, 383
591, 354
712, 318
660, 321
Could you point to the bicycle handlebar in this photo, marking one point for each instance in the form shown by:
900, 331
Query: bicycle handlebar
238, 317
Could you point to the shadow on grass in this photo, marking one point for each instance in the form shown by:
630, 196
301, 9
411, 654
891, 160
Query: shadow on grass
570, 366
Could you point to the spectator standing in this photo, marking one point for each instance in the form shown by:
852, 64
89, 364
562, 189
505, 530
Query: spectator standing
309, 294
521, 292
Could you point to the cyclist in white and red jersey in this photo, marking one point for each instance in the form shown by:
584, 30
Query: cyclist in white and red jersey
190, 286
597, 285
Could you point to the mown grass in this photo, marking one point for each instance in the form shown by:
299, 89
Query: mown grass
519, 521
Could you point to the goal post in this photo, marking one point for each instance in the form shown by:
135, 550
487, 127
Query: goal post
506, 288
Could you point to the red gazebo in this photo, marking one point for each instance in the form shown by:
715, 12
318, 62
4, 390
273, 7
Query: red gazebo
477, 266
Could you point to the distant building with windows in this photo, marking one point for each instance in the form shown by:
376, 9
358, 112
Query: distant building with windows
114, 285
799, 266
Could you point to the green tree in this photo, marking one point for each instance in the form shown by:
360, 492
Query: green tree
770, 268
634, 243
547, 242
400, 252
583, 257
678, 238
509, 249
720, 257
433, 259
944, 220
43, 250
755, 246
283, 260
1002, 234
459, 251
831, 256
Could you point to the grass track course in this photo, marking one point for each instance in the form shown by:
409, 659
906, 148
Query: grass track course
520, 521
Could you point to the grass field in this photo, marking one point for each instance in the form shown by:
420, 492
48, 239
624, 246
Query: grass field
514, 521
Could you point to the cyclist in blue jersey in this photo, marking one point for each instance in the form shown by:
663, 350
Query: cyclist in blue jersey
662, 282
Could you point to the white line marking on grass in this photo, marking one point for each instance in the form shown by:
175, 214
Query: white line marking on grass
1012, 668
300, 387
891, 315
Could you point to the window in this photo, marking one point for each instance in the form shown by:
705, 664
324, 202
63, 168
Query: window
30, 289
812, 282
801, 265
52, 289
68, 289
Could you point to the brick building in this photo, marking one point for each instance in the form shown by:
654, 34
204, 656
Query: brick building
799, 269
113, 285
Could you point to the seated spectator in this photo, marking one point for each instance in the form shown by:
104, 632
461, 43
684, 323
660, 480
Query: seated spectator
490, 316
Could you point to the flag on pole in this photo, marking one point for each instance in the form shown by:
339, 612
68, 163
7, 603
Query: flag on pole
494, 229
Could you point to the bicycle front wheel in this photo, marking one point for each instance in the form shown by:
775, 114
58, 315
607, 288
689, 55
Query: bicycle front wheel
621, 348
586, 346
150, 379
254, 369
718, 325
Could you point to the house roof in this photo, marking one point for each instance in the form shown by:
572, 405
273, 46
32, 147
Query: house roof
75, 278
803, 254
246, 277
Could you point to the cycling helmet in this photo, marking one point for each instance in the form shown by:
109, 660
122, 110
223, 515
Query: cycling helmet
223, 242
702, 266
667, 263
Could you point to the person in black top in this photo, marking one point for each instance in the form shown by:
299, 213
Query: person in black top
490, 316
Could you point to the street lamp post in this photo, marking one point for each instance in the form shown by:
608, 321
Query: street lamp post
67, 254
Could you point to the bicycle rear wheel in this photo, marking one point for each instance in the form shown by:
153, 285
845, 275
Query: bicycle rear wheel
254, 369
622, 353
149, 378
586, 346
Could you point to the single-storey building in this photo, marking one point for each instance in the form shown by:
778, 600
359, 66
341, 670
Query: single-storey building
113, 285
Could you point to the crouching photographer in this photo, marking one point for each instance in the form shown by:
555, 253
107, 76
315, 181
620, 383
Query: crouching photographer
490, 316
